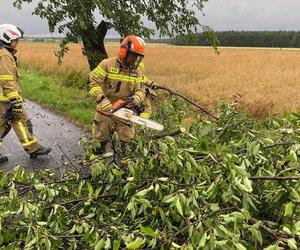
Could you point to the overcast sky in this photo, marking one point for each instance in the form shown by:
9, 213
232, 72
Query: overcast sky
219, 14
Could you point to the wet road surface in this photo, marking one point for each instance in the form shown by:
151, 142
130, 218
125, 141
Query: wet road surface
51, 130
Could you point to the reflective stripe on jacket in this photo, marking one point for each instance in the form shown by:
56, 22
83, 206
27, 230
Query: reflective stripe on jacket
114, 82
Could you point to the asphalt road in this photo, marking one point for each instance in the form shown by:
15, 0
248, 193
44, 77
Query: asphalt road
51, 130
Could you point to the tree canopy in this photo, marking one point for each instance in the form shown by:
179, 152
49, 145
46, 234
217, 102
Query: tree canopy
78, 19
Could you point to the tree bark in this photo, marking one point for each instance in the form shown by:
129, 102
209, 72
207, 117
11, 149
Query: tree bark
93, 44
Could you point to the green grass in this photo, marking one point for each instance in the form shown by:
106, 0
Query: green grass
49, 91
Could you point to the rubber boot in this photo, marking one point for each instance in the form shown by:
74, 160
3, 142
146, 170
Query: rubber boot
40, 151
3, 158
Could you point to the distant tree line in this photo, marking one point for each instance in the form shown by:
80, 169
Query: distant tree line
281, 39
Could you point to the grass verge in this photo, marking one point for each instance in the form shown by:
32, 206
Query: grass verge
72, 102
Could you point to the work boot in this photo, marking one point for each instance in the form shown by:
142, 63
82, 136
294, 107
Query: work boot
120, 153
3, 158
40, 151
99, 150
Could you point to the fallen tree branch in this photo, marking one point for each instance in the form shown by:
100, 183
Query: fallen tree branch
244, 150
276, 234
183, 97
174, 133
72, 164
275, 178
78, 201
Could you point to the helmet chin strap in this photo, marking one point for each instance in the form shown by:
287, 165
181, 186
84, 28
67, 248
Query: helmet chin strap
8, 47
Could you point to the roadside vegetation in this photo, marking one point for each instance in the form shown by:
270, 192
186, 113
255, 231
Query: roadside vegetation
230, 184
49, 91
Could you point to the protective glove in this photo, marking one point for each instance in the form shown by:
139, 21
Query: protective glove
103, 104
137, 98
145, 115
16, 105
153, 86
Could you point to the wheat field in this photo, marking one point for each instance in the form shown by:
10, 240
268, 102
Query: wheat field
260, 81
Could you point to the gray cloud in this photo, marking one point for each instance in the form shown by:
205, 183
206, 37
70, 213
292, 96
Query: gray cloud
219, 14
252, 15
22, 18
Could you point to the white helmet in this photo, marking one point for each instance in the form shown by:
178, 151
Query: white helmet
10, 32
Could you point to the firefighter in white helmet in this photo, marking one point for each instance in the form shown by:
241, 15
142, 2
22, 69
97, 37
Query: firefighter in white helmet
12, 112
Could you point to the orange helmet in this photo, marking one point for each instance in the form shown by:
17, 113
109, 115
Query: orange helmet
132, 45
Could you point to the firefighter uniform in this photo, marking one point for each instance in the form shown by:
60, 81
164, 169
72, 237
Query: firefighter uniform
11, 90
114, 82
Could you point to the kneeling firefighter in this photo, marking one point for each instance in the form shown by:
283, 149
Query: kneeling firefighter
114, 79
12, 112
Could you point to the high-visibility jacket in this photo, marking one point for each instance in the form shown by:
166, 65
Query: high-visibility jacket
9, 76
110, 79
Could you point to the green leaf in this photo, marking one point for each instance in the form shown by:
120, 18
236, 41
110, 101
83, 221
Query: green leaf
99, 245
287, 230
257, 234
292, 243
142, 192
90, 188
193, 162
89, 216
168, 198
248, 184
176, 245
296, 195
148, 231
163, 147
135, 244
5, 214
255, 149
203, 240
179, 207
30, 243
117, 244
107, 244
39, 187
288, 209
163, 179
239, 246
145, 202
42, 223
26, 211
214, 207
272, 247
48, 244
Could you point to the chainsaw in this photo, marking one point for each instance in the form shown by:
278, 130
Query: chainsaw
122, 112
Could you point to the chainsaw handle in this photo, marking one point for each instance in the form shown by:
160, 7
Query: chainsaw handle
116, 106
121, 105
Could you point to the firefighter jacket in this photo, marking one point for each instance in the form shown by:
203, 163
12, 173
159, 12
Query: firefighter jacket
9, 76
110, 79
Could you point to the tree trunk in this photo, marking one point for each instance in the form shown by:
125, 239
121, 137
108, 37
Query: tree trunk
93, 44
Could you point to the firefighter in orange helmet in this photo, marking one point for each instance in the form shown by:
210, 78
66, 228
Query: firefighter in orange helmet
119, 78
12, 112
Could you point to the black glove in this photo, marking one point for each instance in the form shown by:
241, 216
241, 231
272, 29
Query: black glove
153, 86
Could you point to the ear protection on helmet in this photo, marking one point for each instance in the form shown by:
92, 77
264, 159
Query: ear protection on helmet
124, 49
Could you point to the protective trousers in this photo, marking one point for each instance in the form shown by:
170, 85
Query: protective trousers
20, 126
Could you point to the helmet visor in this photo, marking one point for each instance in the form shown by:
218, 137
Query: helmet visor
133, 60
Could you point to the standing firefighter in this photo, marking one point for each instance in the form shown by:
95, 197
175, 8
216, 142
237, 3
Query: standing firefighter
12, 112
119, 78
